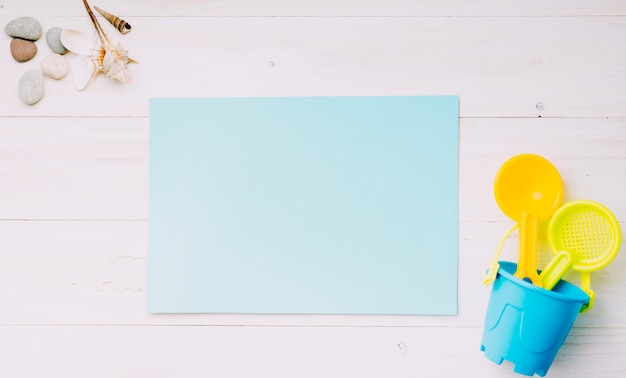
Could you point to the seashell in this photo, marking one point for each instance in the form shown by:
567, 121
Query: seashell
121, 25
117, 58
114, 64
77, 42
83, 71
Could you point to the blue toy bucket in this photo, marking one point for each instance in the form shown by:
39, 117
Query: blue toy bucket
526, 324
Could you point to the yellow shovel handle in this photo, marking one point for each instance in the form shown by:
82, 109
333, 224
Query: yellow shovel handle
527, 264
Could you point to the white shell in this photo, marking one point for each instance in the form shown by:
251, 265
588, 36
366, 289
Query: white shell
83, 71
77, 42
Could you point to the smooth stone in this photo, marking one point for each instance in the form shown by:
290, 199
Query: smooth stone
23, 50
30, 87
53, 37
55, 66
25, 28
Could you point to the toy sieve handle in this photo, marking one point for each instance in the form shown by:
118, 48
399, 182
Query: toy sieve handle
555, 269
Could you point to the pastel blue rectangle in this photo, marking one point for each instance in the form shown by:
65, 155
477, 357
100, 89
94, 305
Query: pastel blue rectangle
304, 205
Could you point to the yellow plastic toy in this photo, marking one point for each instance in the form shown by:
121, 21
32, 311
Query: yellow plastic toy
528, 189
494, 265
585, 236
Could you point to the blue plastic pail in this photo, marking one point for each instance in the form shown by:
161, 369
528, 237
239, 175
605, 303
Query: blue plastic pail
526, 324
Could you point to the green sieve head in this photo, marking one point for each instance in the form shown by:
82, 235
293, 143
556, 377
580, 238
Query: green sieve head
588, 231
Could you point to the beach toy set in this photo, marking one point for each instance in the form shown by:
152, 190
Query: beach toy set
531, 311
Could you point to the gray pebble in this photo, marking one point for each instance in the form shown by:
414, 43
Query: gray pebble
30, 87
53, 37
25, 28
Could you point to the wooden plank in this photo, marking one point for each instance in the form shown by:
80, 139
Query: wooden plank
68, 168
78, 272
587, 152
499, 66
334, 8
97, 168
284, 351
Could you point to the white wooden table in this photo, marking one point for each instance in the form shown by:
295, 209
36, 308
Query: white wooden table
546, 77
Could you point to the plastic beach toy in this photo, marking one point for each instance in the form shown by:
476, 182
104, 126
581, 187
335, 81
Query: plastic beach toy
494, 265
585, 236
528, 189
526, 324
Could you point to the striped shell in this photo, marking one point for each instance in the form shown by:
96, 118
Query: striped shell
121, 25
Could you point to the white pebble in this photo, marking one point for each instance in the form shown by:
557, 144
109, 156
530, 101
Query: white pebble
55, 66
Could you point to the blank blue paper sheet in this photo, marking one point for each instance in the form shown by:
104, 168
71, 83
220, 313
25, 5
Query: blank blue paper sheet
304, 205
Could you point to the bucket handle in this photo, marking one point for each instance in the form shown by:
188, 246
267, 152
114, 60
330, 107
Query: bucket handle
494, 265
585, 283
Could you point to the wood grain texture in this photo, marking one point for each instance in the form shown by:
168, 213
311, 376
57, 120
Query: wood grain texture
94, 272
321, 8
500, 66
174, 351
96, 168
546, 77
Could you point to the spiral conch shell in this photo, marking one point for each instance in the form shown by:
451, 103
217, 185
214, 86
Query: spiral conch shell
111, 60
121, 25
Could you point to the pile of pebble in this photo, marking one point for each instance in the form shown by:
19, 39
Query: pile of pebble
25, 31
